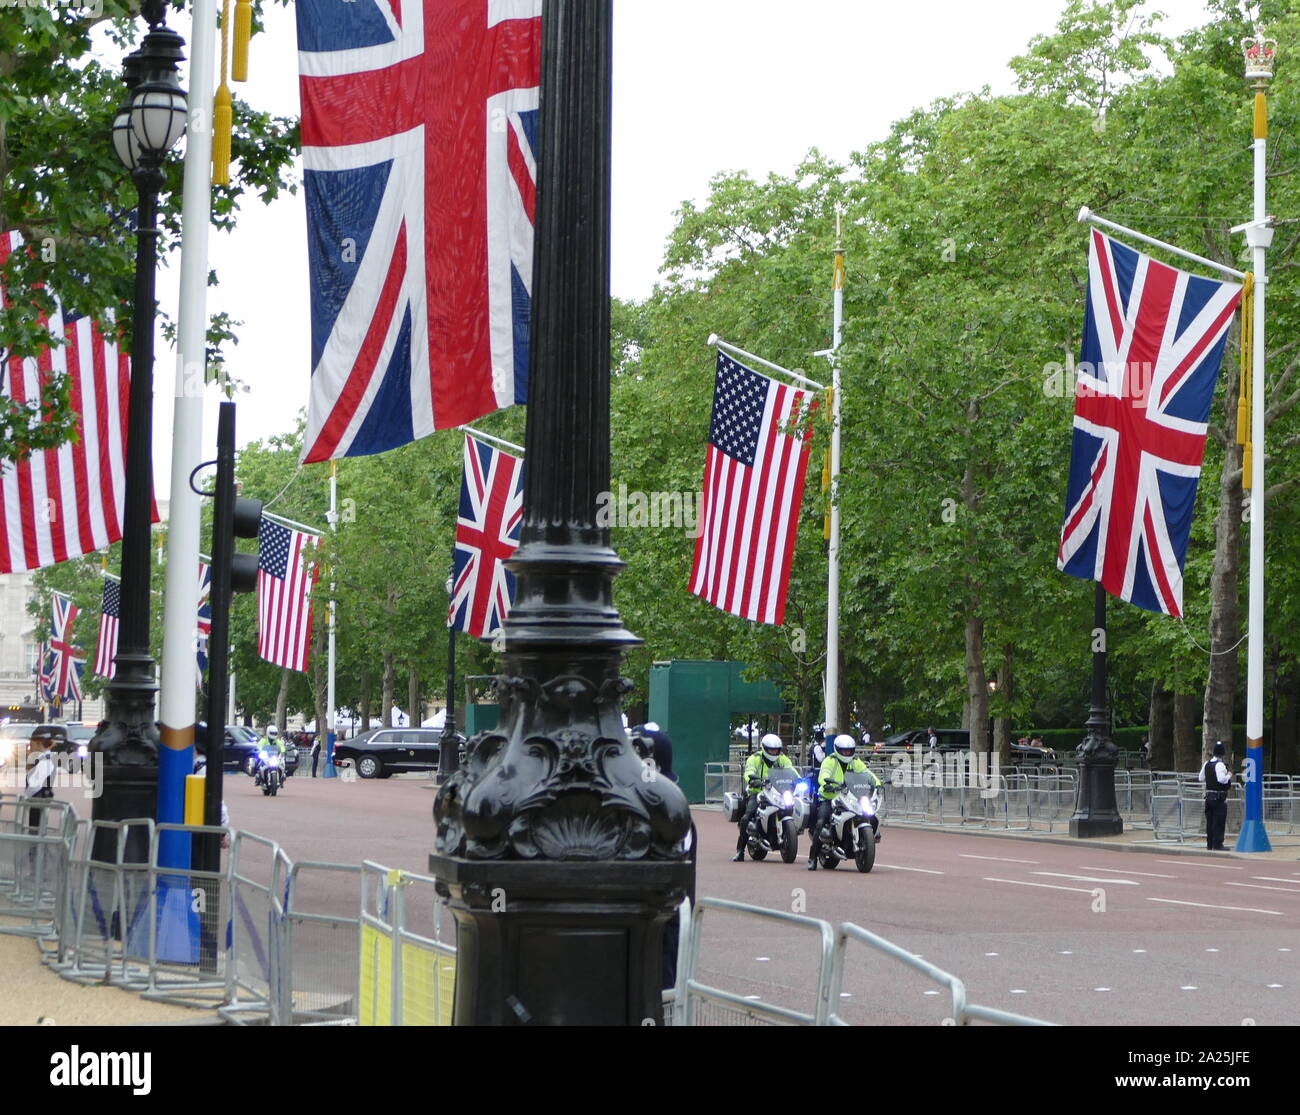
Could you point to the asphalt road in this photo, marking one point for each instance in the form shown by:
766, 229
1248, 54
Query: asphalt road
1069, 933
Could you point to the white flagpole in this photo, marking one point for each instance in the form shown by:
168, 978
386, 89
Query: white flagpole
328, 748
833, 565
1086, 214
717, 342
181, 597
1260, 55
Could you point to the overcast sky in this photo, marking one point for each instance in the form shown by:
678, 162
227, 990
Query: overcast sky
700, 86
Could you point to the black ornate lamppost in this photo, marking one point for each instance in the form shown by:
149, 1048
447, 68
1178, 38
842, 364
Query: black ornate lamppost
558, 846
1097, 812
145, 129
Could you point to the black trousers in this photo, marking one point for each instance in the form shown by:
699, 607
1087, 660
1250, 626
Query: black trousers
751, 807
824, 808
1216, 818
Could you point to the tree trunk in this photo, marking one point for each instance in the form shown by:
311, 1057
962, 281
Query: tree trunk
1186, 751
1002, 725
282, 701
1286, 748
413, 709
390, 686
364, 710
872, 712
1161, 727
977, 690
1225, 618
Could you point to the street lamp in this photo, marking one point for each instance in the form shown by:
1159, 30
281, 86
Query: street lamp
559, 848
144, 130
448, 749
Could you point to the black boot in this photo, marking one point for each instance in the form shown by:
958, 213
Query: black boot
739, 857
812, 863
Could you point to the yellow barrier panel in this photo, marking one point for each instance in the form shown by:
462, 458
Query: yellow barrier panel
428, 987
375, 992
195, 788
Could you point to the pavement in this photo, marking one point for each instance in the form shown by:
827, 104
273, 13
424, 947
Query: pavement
1013, 896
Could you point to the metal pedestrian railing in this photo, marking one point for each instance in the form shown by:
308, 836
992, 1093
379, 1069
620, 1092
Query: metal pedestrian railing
406, 972
697, 1003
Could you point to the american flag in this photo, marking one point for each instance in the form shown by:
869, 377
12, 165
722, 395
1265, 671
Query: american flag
110, 614
419, 133
487, 532
753, 486
65, 502
204, 623
285, 575
1153, 342
61, 673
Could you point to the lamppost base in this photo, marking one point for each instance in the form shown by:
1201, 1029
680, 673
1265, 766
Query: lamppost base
1253, 838
559, 944
1097, 811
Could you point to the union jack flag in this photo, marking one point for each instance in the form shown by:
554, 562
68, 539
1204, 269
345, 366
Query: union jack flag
487, 532
204, 628
61, 672
419, 133
1153, 342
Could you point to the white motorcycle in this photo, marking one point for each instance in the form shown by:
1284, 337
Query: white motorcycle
776, 822
854, 827
270, 772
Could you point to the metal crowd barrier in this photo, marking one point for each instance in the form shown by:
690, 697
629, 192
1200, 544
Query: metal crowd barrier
719, 779
698, 1004
255, 943
318, 960
695, 1003
406, 972
35, 839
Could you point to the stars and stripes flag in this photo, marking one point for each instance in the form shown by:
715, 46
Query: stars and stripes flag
1153, 341
204, 626
285, 576
419, 134
62, 503
753, 487
487, 532
62, 669
110, 615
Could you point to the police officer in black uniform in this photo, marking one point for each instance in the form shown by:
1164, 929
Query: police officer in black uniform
41, 769
1215, 777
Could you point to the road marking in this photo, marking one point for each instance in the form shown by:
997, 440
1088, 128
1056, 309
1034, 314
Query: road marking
1017, 991
1067, 952
990, 954
1047, 886
762, 958
1116, 871
1273, 985
932, 993
1187, 988
1211, 950
1139, 950
900, 867
754, 998
1212, 866
1283, 950
1211, 906
1000, 859
1261, 886
1101, 988
1274, 879
1088, 878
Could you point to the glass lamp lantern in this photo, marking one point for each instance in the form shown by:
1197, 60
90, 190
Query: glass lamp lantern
158, 112
124, 141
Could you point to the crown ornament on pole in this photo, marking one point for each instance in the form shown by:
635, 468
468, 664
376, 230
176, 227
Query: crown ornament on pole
1260, 53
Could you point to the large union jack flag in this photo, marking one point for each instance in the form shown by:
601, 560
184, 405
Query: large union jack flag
419, 133
1153, 342
62, 669
487, 532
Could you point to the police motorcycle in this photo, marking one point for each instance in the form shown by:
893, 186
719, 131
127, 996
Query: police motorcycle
781, 813
854, 827
269, 772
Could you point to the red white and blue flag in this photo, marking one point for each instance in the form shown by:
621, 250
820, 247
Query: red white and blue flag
1153, 343
110, 616
59, 504
487, 532
204, 629
285, 576
61, 672
419, 133
753, 487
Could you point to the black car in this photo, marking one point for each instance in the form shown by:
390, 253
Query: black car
241, 745
1030, 754
918, 739
383, 752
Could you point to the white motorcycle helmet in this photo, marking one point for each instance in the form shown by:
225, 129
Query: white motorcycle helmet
272, 732
772, 745
845, 747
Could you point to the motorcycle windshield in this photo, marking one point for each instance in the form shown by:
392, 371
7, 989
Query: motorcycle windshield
858, 783
782, 779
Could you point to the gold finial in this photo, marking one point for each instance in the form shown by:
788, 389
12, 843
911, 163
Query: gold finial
1260, 53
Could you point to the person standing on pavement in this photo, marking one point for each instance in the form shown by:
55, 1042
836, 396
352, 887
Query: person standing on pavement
315, 756
661, 747
758, 766
41, 768
1215, 778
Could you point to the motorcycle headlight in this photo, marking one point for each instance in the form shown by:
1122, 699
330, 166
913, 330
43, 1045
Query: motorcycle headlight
865, 803
801, 788
787, 798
